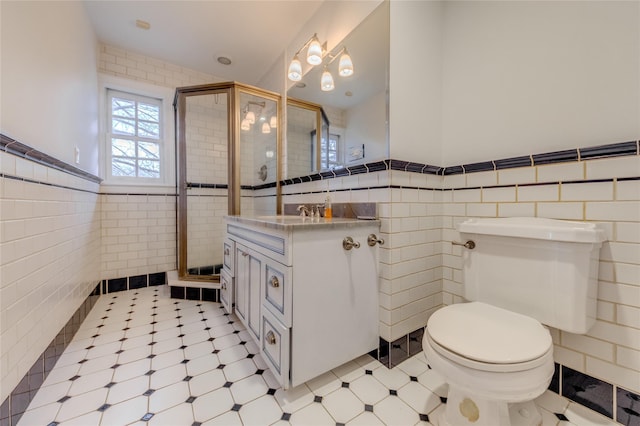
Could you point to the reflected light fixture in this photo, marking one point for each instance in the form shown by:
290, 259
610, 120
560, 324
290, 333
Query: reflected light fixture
244, 125
316, 53
250, 117
273, 122
266, 128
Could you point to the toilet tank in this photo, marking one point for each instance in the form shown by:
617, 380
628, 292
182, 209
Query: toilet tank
543, 268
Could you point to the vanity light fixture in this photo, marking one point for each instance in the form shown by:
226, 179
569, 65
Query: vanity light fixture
315, 56
326, 82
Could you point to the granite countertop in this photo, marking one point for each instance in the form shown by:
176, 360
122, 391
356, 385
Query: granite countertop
297, 222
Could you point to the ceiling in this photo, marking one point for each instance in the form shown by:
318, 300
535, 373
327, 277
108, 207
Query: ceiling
192, 34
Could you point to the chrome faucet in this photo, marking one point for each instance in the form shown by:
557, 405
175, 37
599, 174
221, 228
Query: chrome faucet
304, 211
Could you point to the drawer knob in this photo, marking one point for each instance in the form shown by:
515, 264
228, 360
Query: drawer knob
271, 338
274, 281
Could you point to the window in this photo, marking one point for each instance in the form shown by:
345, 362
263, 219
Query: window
135, 137
330, 157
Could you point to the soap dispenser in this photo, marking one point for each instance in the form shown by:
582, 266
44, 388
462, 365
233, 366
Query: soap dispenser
328, 213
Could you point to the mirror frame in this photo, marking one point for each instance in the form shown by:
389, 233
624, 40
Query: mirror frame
320, 114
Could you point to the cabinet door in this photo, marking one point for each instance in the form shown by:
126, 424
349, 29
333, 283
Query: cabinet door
228, 249
242, 282
226, 290
249, 273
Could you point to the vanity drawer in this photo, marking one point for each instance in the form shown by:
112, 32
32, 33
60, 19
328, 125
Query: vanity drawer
277, 291
226, 290
275, 347
228, 250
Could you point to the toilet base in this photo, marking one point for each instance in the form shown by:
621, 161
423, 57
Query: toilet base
464, 409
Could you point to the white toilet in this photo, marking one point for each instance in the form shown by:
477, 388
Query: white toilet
493, 351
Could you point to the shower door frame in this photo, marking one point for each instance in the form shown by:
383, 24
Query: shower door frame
232, 90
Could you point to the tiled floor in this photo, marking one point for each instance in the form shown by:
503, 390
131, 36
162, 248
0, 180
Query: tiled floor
141, 357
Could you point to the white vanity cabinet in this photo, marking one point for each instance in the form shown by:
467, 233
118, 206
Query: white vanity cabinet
310, 303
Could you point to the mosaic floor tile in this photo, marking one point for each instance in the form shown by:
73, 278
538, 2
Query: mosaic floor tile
203, 368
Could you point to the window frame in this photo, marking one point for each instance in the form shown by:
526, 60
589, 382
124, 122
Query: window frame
138, 90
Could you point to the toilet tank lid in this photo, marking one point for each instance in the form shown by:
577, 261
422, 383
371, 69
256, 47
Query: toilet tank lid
536, 228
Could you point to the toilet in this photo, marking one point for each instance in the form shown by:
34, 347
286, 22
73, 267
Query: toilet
494, 351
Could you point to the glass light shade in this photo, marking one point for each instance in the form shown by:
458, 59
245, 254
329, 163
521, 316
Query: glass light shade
273, 122
266, 128
295, 69
314, 53
326, 82
250, 117
345, 67
244, 125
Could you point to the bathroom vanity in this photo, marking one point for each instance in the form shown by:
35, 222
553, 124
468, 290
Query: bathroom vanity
306, 290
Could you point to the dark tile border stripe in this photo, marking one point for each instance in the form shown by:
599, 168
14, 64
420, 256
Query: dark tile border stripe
113, 285
564, 156
21, 150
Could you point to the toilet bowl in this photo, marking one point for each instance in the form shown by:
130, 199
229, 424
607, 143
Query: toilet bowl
493, 351
495, 362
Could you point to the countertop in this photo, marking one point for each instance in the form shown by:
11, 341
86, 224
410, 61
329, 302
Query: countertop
297, 222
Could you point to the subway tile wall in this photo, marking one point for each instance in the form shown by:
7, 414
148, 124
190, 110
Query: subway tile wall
50, 258
605, 190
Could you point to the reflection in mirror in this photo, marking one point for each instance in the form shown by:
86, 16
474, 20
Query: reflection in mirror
258, 153
304, 145
357, 108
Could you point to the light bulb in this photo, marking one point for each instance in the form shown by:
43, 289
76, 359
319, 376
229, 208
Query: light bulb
250, 117
314, 53
326, 82
345, 68
273, 122
266, 128
244, 125
295, 69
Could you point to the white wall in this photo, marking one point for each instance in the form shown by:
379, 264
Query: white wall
366, 124
49, 234
528, 77
49, 81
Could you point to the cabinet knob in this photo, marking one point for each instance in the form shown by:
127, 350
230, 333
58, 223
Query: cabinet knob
226, 251
244, 253
223, 285
348, 243
271, 338
274, 281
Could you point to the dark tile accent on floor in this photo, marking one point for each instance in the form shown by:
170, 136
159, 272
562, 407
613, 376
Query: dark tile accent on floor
628, 410
177, 292
195, 293
415, 341
17, 402
159, 278
192, 293
138, 281
588, 391
554, 386
116, 284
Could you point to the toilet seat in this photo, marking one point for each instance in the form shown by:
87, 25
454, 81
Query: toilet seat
489, 338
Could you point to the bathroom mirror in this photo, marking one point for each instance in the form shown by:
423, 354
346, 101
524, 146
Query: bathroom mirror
304, 154
357, 108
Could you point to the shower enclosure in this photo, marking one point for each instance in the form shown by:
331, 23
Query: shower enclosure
228, 144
